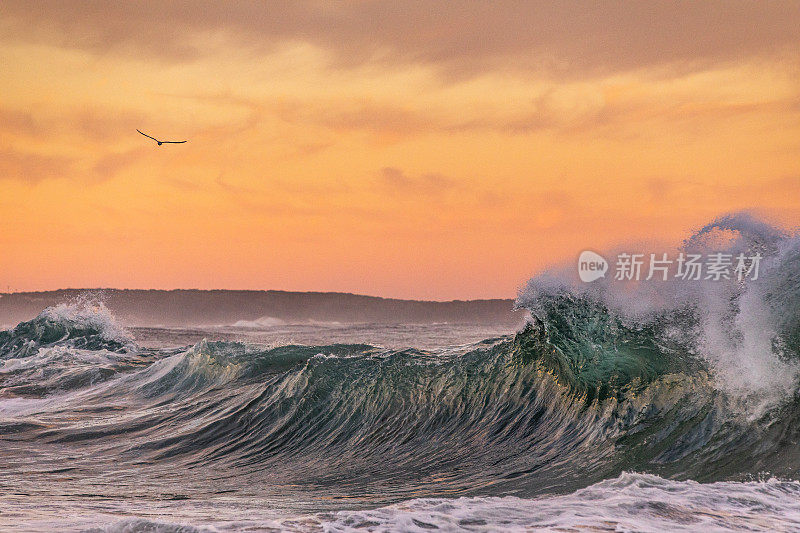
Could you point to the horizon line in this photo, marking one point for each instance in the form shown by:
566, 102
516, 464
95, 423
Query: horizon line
100, 289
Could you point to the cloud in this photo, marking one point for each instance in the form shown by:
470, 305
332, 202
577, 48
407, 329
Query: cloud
109, 165
398, 182
387, 120
103, 125
18, 122
233, 189
31, 167
462, 37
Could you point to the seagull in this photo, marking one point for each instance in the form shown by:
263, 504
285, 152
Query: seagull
156, 140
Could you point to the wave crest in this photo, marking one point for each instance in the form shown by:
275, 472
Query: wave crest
746, 333
84, 325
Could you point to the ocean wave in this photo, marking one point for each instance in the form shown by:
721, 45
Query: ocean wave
353, 413
84, 324
521, 415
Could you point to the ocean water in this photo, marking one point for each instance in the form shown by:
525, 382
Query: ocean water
633, 408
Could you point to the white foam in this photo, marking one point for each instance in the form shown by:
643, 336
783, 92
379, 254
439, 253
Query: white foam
259, 323
631, 502
141, 525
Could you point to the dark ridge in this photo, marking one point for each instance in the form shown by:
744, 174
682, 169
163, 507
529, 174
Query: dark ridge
205, 307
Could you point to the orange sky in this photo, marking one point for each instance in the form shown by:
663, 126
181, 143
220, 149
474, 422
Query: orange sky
403, 149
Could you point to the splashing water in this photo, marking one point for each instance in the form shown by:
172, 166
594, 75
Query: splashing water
744, 331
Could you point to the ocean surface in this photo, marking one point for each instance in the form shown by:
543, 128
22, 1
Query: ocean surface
638, 408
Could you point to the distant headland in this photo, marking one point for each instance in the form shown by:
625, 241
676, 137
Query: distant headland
189, 307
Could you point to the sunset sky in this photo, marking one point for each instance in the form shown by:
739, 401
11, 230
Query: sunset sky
431, 150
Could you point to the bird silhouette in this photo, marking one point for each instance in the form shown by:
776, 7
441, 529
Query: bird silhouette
156, 140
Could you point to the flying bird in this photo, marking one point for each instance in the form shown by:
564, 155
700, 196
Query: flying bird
156, 140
